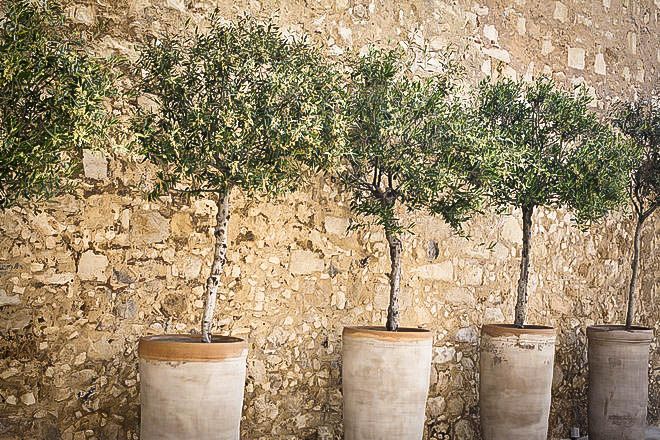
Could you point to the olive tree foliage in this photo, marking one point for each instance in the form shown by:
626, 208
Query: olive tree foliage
640, 122
558, 154
51, 102
237, 106
412, 145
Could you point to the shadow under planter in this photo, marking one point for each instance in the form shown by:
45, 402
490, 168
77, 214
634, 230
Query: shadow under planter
385, 382
190, 389
516, 366
618, 381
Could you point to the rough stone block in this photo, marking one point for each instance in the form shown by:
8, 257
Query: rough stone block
576, 58
439, 271
561, 12
498, 54
149, 227
599, 64
95, 165
336, 225
92, 267
305, 262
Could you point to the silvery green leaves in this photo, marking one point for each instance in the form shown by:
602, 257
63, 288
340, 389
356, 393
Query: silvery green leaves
556, 150
51, 106
411, 141
640, 122
238, 105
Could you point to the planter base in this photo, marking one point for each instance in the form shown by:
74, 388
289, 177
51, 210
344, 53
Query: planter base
385, 382
190, 389
618, 381
516, 368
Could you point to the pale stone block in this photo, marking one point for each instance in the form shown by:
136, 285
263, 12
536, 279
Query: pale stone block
192, 267
561, 12
304, 262
149, 227
91, 267
490, 32
599, 64
439, 271
467, 334
632, 42
460, 296
576, 58
181, 225
336, 225
546, 46
493, 315
82, 14
9, 300
57, 279
28, 399
498, 54
511, 229
607, 3
95, 165
521, 26
442, 355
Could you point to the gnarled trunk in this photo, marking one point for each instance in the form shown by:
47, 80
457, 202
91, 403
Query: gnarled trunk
635, 272
219, 259
396, 249
521, 300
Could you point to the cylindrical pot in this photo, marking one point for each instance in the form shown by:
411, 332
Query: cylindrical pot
618, 381
385, 382
190, 389
515, 386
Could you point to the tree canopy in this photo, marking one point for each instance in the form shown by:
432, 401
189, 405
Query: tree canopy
559, 154
51, 105
412, 142
239, 105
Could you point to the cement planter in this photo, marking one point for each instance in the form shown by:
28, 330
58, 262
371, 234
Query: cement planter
190, 389
516, 367
618, 381
385, 382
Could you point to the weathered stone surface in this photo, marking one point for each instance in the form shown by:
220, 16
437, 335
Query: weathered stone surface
92, 267
576, 58
305, 262
148, 227
294, 277
95, 165
439, 271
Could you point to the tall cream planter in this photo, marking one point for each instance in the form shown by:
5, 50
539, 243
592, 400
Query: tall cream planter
618, 381
385, 382
516, 367
190, 389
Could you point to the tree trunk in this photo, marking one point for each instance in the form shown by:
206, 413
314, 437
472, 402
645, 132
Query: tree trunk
219, 259
396, 249
521, 301
635, 272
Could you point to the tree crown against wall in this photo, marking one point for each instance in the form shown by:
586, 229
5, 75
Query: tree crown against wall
558, 154
239, 105
640, 122
51, 102
413, 145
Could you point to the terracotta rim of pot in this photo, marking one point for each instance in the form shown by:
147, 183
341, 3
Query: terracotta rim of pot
190, 348
381, 333
511, 330
619, 333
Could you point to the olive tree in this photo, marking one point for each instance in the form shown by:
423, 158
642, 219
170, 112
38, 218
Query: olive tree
237, 106
640, 122
51, 102
411, 145
558, 154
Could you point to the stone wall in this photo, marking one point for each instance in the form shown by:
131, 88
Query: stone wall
84, 276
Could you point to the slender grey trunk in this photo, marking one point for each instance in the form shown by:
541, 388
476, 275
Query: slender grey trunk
635, 272
219, 259
396, 249
521, 301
